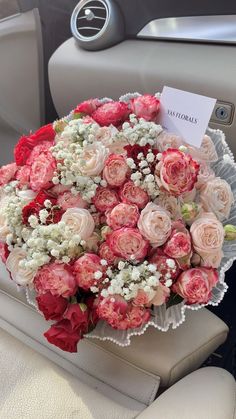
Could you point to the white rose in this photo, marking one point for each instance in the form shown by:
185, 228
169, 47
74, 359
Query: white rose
216, 196
4, 228
27, 196
155, 224
92, 160
80, 221
22, 276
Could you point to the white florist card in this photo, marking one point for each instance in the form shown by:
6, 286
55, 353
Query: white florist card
185, 114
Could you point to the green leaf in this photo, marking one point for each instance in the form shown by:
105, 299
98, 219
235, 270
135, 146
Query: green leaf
174, 300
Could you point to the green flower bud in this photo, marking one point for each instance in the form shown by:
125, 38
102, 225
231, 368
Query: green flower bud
190, 211
230, 232
59, 126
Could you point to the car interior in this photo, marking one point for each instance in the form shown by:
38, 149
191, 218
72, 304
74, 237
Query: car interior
53, 55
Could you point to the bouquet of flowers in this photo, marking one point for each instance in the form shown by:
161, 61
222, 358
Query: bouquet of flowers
115, 224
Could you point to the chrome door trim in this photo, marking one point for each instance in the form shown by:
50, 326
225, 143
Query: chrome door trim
217, 28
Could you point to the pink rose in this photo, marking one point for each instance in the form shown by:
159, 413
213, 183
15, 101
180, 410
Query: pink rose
146, 107
170, 203
123, 215
105, 199
106, 253
216, 196
112, 113
167, 140
92, 159
128, 243
195, 285
116, 170
166, 266
56, 278
208, 237
85, 268
42, 171
7, 173
88, 106
154, 224
80, 221
67, 200
131, 194
205, 175
179, 243
161, 296
23, 176
206, 153
142, 298
176, 172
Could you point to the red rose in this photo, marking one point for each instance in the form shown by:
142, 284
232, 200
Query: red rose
26, 144
131, 194
128, 243
105, 199
51, 306
30, 209
37, 204
195, 285
177, 172
88, 106
116, 170
146, 106
4, 252
134, 150
112, 113
77, 314
63, 336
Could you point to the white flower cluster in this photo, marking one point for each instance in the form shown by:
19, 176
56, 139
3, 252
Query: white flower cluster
139, 131
128, 279
142, 173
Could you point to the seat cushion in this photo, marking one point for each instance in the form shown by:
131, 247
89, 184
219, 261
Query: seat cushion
31, 386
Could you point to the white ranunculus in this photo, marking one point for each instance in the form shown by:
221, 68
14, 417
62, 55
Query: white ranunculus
92, 159
80, 221
22, 276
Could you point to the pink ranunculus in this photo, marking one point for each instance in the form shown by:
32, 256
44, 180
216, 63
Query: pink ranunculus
155, 224
88, 106
42, 171
111, 113
195, 285
56, 278
106, 253
216, 196
123, 215
23, 176
131, 194
128, 243
105, 199
85, 268
161, 296
67, 200
7, 173
208, 237
116, 170
165, 265
176, 172
146, 107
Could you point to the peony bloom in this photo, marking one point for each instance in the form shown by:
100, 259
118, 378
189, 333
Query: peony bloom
112, 113
85, 269
176, 172
56, 278
195, 285
131, 194
20, 275
154, 224
92, 159
128, 243
7, 173
88, 106
42, 171
146, 107
26, 144
123, 215
116, 170
105, 199
51, 306
79, 221
208, 237
216, 196
67, 200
